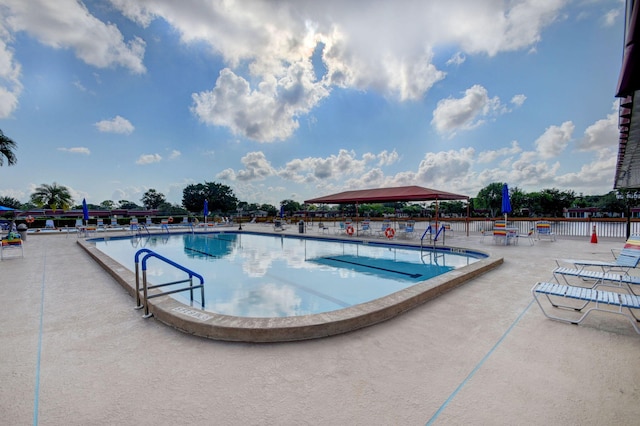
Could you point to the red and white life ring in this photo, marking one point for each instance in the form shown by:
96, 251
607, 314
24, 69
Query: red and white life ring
29, 219
350, 230
170, 220
389, 232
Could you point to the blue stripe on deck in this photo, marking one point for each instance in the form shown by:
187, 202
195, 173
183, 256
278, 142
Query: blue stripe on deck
477, 367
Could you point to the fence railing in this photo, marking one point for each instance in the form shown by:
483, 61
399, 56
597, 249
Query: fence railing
613, 228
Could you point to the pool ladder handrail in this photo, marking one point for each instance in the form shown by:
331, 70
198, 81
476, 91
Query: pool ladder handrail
429, 231
145, 287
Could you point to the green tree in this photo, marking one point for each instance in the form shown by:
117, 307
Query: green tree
108, 205
52, 196
519, 201
290, 206
152, 199
269, 208
127, 205
553, 201
490, 198
10, 202
7, 147
220, 197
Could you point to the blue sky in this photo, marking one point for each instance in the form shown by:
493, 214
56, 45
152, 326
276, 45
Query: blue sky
299, 99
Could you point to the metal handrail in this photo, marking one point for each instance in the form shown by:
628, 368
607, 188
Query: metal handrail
144, 302
429, 231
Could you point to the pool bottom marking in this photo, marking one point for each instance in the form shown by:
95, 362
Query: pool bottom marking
414, 276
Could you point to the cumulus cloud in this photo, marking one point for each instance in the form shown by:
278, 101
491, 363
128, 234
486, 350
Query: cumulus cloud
268, 49
603, 133
467, 112
68, 24
457, 59
518, 100
10, 85
148, 159
115, 125
256, 167
492, 155
554, 140
76, 150
174, 154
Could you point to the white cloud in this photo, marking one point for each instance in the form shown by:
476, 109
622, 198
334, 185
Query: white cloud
68, 24
256, 167
601, 134
76, 150
609, 19
492, 155
148, 159
226, 174
457, 59
10, 86
266, 114
518, 100
174, 154
386, 47
115, 125
465, 113
554, 140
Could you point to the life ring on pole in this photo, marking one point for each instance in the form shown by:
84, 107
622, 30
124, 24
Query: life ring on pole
389, 233
29, 219
350, 230
170, 220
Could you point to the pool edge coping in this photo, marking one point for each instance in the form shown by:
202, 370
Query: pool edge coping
193, 320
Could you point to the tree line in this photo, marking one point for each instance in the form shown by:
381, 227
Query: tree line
222, 201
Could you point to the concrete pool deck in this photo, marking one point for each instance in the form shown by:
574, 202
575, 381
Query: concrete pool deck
73, 351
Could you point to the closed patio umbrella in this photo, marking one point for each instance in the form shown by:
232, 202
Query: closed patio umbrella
85, 211
206, 210
506, 202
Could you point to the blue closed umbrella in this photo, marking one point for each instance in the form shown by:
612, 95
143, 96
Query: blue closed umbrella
206, 210
85, 211
281, 212
506, 202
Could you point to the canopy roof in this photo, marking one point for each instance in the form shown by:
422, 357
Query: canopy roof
387, 195
628, 166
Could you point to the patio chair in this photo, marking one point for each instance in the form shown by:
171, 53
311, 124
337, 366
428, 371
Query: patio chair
529, 236
366, 228
383, 227
49, 224
11, 242
595, 299
114, 223
322, 227
100, 224
628, 258
543, 229
409, 230
341, 229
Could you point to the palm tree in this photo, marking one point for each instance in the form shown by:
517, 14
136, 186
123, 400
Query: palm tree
51, 196
7, 146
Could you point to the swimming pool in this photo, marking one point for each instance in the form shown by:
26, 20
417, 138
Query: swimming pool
274, 288
256, 276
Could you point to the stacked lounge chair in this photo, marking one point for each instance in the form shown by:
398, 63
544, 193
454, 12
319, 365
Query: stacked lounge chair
609, 289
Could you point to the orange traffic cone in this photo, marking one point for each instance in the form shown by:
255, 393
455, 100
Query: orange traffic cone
594, 237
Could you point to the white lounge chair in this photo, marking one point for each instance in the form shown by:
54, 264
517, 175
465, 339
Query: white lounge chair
593, 299
49, 224
628, 258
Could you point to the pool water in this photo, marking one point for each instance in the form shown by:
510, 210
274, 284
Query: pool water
252, 275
